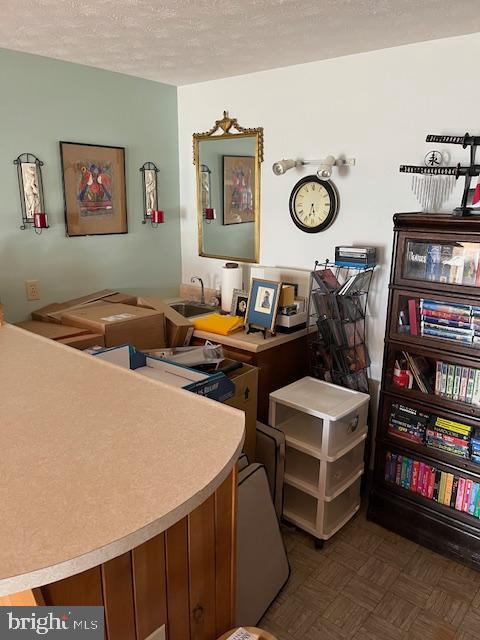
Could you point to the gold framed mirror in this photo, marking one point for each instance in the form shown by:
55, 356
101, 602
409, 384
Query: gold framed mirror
227, 159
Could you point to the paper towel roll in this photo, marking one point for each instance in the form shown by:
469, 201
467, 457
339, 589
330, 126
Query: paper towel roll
231, 279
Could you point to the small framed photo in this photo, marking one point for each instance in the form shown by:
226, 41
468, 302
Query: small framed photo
263, 304
239, 303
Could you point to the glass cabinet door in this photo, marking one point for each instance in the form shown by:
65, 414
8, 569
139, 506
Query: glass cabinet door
442, 261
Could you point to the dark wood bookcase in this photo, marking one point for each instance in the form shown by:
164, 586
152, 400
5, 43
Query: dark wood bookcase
427, 522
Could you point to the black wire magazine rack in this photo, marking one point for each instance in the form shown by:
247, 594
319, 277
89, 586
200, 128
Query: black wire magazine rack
337, 304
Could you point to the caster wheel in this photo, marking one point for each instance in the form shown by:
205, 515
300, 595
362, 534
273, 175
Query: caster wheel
319, 543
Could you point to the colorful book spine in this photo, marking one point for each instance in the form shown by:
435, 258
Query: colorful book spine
413, 316
448, 489
466, 496
444, 315
464, 323
460, 493
434, 305
473, 499
445, 488
437, 333
447, 330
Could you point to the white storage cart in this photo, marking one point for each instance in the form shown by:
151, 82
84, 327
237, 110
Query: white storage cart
325, 429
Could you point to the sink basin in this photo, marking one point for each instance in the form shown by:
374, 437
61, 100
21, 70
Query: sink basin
190, 309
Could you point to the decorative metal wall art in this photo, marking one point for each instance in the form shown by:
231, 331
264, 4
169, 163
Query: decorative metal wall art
30, 186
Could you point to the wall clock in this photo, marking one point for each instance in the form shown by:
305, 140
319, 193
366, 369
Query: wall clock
313, 204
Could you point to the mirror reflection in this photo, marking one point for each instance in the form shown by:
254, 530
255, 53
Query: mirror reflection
228, 191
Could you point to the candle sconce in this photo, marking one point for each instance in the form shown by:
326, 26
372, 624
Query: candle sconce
150, 195
209, 214
30, 187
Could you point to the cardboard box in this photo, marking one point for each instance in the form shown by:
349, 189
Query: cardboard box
50, 329
121, 298
287, 295
55, 315
120, 324
179, 329
85, 341
245, 380
42, 314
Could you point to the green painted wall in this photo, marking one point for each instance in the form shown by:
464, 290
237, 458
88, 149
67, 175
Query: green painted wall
44, 101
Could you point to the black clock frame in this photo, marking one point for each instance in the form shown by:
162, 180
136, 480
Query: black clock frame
334, 204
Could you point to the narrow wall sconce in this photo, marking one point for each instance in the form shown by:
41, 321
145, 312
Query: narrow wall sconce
325, 165
151, 211
30, 186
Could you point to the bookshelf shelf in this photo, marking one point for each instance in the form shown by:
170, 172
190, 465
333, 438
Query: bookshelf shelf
433, 317
434, 401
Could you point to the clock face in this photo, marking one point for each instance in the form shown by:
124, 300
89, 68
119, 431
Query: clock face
313, 204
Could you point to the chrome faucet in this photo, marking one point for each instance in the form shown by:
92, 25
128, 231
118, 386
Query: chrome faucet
202, 295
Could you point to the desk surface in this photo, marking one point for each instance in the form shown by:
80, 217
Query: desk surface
254, 342
96, 459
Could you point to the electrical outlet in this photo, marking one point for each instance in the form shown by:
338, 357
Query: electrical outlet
33, 289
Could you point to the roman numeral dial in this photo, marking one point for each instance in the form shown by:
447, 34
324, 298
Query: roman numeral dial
313, 204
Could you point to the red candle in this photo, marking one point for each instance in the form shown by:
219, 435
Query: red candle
157, 216
209, 214
40, 221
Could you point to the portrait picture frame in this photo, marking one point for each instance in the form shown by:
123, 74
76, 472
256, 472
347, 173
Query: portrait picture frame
238, 189
94, 189
262, 305
239, 303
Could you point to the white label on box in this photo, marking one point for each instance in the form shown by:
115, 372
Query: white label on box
118, 317
242, 634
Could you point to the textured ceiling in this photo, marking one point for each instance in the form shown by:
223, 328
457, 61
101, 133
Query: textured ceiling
186, 41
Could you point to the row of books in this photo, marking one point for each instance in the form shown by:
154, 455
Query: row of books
455, 382
455, 263
448, 321
428, 481
449, 436
414, 425
408, 423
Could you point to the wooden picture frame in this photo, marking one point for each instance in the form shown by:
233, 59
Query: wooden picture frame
238, 189
94, 189
262, 306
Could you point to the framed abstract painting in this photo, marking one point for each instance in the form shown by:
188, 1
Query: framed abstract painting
94, 189
238, 189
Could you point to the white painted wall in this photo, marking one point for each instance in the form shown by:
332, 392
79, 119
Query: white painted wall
377, 107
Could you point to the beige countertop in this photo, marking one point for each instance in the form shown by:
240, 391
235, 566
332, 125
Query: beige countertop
96, 459
254, 342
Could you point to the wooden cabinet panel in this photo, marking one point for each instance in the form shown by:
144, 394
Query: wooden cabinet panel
278, 366
183, 578
201, 549
82, 589
118, 598
176, 543
225, 555
149, 586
